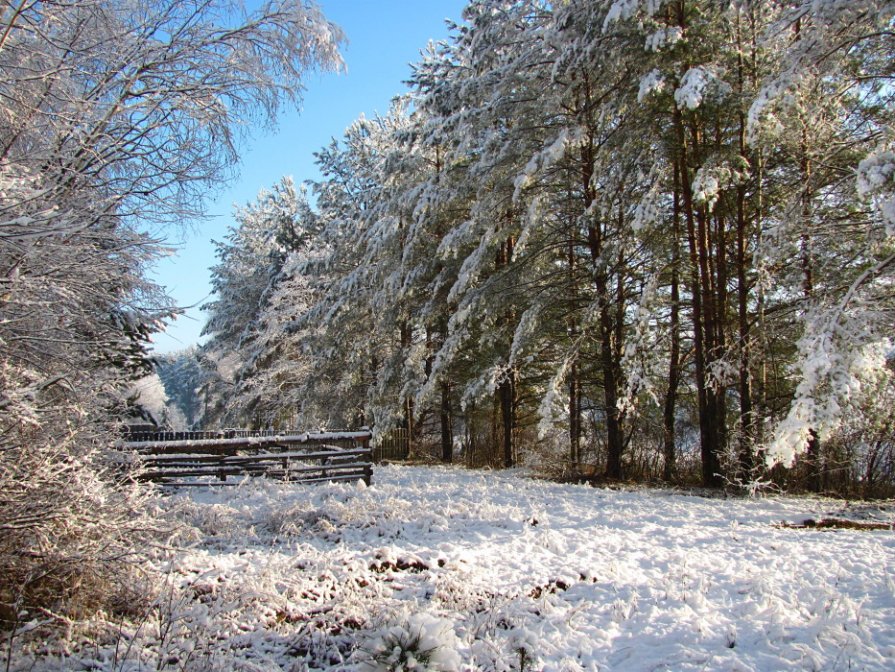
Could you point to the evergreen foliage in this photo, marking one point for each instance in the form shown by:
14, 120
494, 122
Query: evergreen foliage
642, 238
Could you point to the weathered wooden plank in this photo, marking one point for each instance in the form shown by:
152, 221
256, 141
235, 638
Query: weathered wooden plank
331, 456
250, 441
217, 484
215, 470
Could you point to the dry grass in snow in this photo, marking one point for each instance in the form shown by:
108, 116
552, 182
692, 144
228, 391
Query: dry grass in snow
446, 569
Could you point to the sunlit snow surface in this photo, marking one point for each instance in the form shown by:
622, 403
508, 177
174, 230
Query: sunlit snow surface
495, 571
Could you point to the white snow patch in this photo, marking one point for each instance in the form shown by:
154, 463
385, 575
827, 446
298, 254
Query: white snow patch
652, 82
695, 85
664, 37
484, 571
876, 180
619, 11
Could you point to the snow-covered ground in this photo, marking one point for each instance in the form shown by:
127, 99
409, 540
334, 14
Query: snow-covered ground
495, 571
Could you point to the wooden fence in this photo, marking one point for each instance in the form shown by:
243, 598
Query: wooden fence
141, 436
394, 446
208, 458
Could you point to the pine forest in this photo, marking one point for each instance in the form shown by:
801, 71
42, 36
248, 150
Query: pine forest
640, 240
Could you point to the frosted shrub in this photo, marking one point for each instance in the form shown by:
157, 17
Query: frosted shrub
549, 454
69, 530
421, 642
524, 644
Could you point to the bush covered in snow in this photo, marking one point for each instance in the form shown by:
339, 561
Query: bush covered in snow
420, 642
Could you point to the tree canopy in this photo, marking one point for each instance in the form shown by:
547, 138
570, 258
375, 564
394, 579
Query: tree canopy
651, 238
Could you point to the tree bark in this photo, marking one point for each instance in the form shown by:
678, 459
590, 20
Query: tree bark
406, 340
703, 326
507, 387
507, 394
574, 370
609, 326
669, 448
447, 432
575, 418
746, 452
615, 439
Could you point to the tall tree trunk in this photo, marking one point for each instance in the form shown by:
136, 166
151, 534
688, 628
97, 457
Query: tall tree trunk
507, 394
447, 431
814, 457
406, 335
669, 449
574, 370
746, 451
747, 414
707, 331
507, 388
703, 326
615, 439
610, 327
470, 425
609, 365
575, 418
720, 318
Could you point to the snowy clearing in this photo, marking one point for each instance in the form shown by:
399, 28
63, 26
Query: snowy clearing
494, 571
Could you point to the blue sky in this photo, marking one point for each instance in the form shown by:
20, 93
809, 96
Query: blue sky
384, 38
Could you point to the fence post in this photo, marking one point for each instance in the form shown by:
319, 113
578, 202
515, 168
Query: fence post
368, 468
